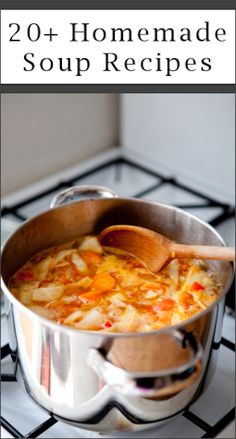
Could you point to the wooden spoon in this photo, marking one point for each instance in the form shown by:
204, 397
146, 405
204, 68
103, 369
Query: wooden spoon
155, 250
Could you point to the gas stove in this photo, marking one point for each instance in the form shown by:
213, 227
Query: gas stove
129, 176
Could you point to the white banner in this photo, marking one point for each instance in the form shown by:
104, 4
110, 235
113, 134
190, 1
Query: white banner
118, 47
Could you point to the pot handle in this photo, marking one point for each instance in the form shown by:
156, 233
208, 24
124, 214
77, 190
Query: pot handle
151, 384
83, 192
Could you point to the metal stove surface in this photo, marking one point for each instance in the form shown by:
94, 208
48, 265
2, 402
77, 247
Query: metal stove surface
214, 409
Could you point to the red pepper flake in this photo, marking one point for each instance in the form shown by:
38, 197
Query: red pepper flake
196, 287
24, 275
108, 324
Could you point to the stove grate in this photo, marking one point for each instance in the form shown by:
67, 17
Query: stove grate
228, 210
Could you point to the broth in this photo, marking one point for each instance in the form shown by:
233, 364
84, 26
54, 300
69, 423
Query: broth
85, 286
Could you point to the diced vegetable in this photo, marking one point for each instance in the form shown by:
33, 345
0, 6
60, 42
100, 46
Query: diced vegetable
103, 282
29, 285
45, 294
114, 312
85, 282
62, 255
69, 299
196, 286
79, 263
130, 278
73, 317
128, 320
62, 264
198, 300
25, 296
150, 294
88, 287
91, 257
76, 287
92, 319
91, 243
172, 270
196, 275
154, 286
164, 305
118, 299
91, 295
187, 299
43, 267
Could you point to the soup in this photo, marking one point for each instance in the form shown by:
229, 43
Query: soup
85, 286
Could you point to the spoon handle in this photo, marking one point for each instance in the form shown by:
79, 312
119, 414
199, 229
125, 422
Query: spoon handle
203, 252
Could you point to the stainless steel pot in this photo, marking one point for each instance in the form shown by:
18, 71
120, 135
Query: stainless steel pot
109, 382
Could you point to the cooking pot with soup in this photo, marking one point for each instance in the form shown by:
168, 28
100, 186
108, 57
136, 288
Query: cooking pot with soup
102, 343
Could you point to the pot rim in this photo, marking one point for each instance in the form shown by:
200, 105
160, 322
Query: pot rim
56, 326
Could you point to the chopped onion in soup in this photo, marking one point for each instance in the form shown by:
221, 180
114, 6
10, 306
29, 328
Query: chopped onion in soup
85, 286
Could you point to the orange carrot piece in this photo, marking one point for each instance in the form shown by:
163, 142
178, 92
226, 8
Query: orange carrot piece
91, 295
72, 289
103, 282
188, 300
91, 257
164, 305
